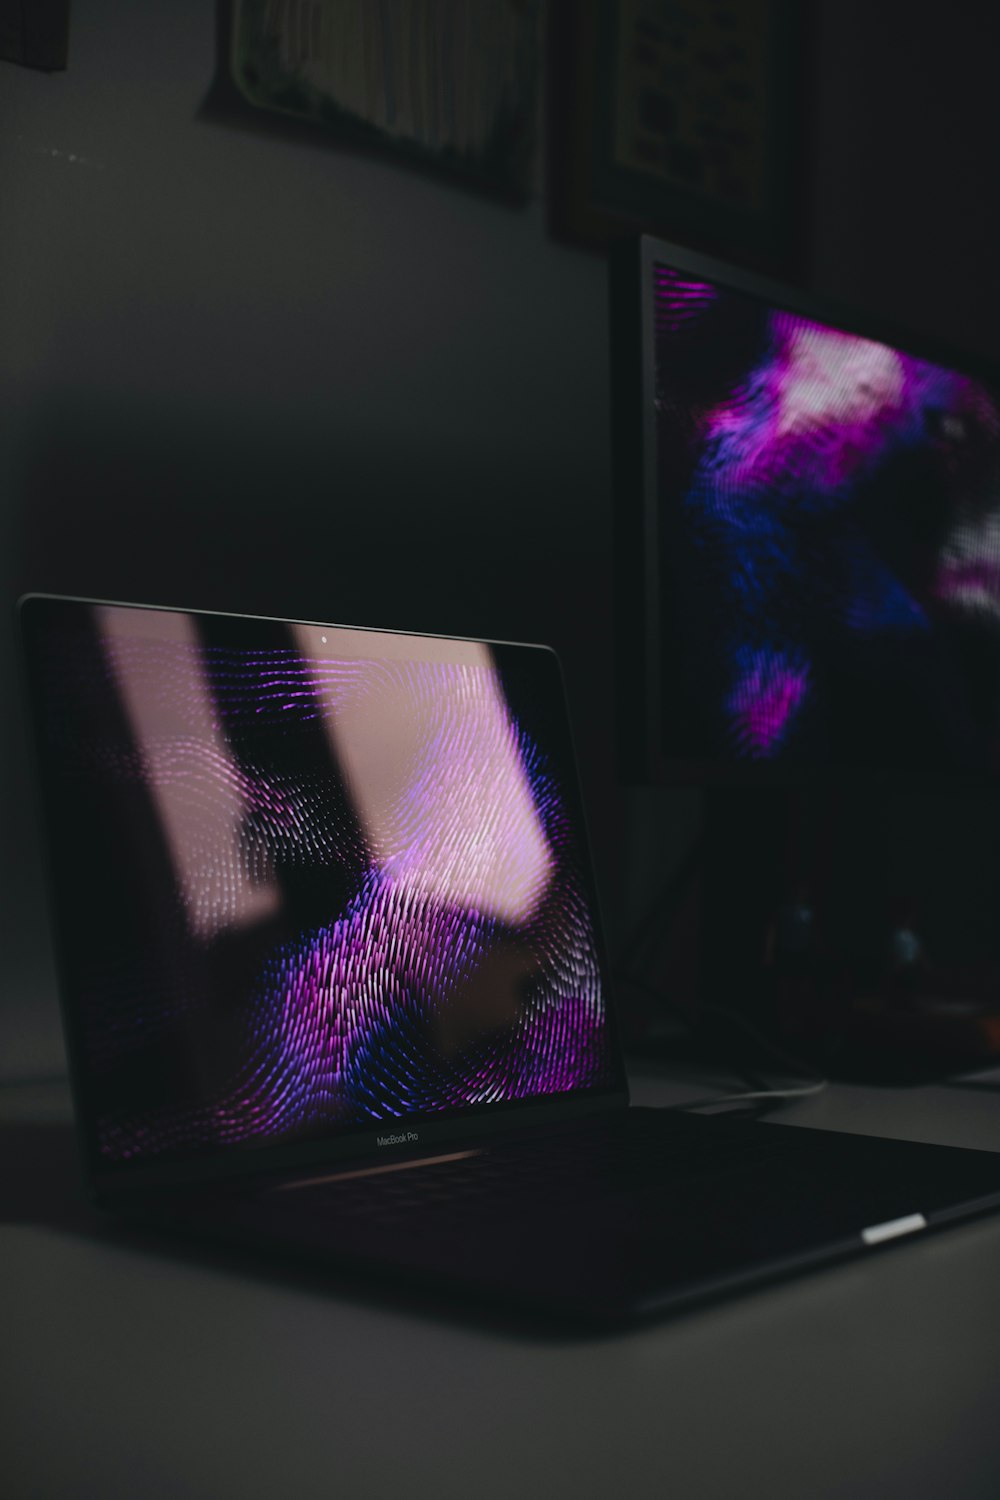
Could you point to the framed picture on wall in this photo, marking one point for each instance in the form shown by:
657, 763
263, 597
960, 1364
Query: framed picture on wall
684, 119
35, 33
442, 84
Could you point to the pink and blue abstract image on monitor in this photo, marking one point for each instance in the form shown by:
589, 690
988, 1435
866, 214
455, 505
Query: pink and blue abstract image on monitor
829, 523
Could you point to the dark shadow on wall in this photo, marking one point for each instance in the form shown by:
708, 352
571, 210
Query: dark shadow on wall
134, 502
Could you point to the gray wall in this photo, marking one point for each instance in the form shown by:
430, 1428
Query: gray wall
238, 371
242, 373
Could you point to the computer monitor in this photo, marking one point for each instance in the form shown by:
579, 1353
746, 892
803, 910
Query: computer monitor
808, 536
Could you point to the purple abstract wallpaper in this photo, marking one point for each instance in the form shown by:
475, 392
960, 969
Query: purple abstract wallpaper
312, 883
829, 521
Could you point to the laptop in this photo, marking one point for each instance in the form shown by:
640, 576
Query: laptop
334, 985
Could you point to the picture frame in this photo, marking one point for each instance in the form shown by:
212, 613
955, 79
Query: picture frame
440, 85
683, 120
35, 33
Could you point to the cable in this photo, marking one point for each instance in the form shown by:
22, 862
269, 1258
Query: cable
787, 1059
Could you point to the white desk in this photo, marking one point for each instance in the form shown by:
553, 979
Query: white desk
129, 1372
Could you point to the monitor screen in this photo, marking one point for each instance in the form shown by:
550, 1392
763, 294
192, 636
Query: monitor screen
309, 878
809, 529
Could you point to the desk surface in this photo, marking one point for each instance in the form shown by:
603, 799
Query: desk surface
128, 1371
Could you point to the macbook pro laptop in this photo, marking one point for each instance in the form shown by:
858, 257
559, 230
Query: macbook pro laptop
334, 985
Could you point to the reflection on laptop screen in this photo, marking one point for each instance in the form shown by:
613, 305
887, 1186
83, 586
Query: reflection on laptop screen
310, 878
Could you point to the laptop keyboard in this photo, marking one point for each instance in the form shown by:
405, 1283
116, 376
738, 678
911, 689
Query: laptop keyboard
634, 1155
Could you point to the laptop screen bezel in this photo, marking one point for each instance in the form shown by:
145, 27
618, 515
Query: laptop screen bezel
112, 1182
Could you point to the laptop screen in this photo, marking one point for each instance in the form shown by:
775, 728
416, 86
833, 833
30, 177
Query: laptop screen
309, 879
